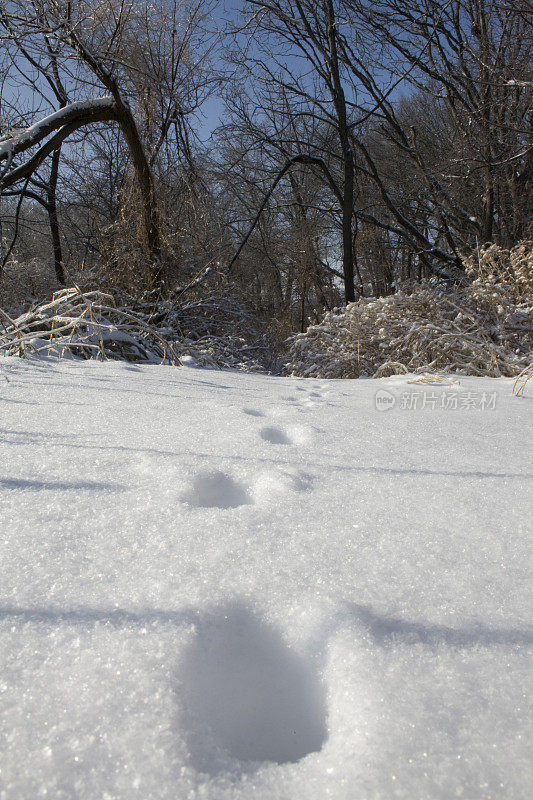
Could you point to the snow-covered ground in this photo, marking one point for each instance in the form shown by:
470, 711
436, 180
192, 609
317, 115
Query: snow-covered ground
220, 585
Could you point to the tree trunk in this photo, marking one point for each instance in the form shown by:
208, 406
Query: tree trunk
486, 75
144, 177
339, 101
52, 217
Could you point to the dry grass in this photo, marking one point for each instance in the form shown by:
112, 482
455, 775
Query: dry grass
86, 325
521, 380
485, 328
205, 323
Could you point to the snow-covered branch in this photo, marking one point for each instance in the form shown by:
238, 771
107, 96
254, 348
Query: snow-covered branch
80, 113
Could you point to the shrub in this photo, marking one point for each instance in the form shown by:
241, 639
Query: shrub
484, 328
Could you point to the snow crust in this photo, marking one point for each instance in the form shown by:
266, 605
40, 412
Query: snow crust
229, 586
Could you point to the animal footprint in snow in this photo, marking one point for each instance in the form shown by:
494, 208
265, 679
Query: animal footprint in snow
252, 412
249, 695
319, 391
274, 435
216, 490
293, 434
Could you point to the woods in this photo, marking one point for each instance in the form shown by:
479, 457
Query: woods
266, 370
309, 154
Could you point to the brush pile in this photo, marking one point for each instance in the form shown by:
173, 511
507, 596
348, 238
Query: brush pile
483, 328
214, 330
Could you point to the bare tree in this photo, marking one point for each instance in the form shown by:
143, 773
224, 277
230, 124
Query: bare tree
317, 91
471, 61
286, 216
139, 58
311, 52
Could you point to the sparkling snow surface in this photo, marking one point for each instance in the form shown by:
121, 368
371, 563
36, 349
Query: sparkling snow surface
220, 585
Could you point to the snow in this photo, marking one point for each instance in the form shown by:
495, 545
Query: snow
220, 585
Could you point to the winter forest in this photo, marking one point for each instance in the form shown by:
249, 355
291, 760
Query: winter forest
258, 165
266, 334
